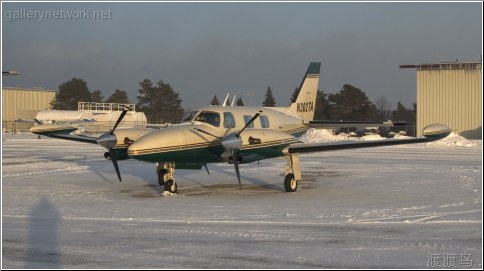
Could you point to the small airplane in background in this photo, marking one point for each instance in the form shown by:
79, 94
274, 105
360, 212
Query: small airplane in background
236, 135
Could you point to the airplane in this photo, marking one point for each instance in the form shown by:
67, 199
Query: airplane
237, 135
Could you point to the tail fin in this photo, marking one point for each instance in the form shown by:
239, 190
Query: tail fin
304, 102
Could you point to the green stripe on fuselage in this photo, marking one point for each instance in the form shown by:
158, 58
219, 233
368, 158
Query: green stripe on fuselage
207, 154
211, 154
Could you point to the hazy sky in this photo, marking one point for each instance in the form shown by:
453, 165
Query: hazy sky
203, 49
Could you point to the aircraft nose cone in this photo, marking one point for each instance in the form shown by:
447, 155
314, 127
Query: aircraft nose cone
107, 140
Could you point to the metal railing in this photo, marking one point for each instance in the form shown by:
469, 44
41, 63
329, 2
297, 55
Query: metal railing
91, 106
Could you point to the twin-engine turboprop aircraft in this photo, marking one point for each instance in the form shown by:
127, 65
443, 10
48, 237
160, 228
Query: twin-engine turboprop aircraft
235, 135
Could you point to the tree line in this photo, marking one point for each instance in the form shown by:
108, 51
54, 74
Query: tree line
158, 101
350, 103
161, 104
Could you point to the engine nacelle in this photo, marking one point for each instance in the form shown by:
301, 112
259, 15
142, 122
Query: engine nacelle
48, 129
121, 154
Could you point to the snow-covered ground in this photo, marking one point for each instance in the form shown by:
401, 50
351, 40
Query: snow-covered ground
412, 206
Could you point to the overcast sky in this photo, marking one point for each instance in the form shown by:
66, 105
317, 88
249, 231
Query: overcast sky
203, 49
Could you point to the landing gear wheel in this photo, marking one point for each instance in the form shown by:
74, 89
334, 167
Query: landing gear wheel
171, 186
290, 183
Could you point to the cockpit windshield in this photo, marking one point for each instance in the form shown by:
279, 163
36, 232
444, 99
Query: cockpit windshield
190, 116
210, 117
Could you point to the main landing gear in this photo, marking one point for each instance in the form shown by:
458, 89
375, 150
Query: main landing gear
293, 173
165, 173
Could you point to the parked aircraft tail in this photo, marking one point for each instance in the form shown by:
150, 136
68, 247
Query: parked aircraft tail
304, 102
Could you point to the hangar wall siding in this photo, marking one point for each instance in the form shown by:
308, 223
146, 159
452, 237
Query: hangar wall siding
450, 93
453, 97
22, 103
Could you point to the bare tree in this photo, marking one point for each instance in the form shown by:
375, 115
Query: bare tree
384, 107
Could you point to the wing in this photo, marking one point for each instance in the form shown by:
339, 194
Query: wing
79, 138
430, 133
335, 123
61, 131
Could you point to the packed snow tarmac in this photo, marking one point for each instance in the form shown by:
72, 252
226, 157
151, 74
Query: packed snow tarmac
413, 206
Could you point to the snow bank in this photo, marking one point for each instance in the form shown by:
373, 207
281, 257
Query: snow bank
314, 135
322, 135
453, 140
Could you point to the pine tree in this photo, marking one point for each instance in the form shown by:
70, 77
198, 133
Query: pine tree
321, 109
403, 114
214, 100
159, 102
119, 96
294, 95
269, 100
351, 104
96, 96
70, 93
239, 102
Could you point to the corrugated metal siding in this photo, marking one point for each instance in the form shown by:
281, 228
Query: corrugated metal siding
23, 103
452, 96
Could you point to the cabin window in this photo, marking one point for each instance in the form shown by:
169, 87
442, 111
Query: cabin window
247, 119
229, 121
209, 117
264, 121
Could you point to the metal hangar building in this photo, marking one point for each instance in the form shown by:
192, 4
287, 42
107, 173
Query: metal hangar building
22, 103
450, 93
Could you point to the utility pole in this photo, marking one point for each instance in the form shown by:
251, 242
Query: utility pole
250, 94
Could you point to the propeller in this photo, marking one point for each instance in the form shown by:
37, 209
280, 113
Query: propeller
108, 140
207, 133
233, 142
235, 158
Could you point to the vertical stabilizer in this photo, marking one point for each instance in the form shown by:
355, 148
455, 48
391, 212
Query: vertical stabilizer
304, 103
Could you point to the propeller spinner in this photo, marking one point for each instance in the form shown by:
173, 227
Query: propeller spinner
233, 143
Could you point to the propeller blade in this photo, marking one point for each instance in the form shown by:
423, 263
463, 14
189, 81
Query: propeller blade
112, 155
207, 133
236, 165
249, 123
119, 120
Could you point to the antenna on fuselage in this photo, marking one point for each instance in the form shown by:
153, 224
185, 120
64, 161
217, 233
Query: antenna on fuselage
233, 101
226, 99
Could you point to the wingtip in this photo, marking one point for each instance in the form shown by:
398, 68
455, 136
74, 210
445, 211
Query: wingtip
436, 131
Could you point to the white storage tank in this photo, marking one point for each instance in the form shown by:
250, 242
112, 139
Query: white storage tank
53, 116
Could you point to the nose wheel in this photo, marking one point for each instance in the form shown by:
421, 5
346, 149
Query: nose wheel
290, 183
166, 172
293, 173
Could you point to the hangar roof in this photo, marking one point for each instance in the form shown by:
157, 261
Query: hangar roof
443, 65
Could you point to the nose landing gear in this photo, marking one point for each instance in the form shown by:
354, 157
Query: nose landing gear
165, 172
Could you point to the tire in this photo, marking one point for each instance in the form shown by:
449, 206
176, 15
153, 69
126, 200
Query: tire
161, 177
171, 186
290, 183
